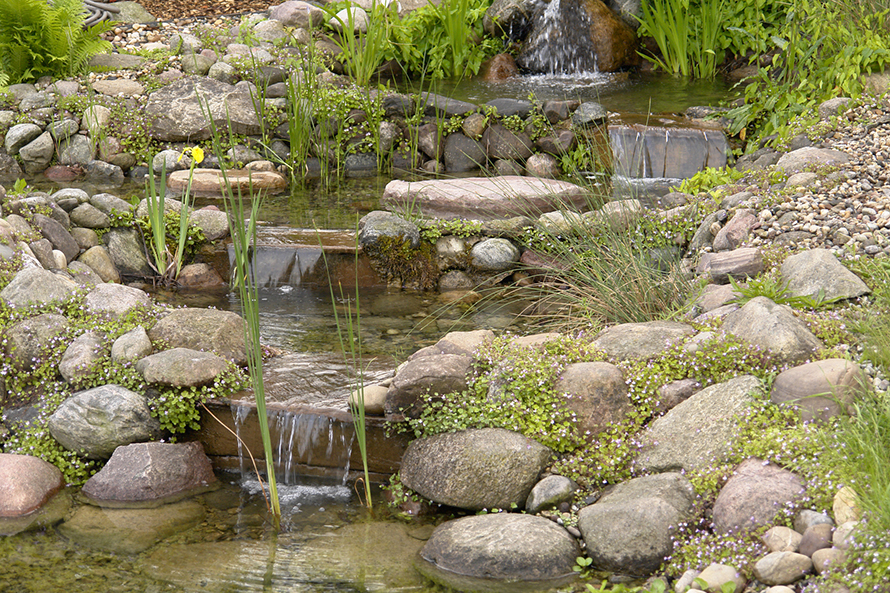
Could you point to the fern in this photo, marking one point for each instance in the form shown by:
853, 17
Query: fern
39, 39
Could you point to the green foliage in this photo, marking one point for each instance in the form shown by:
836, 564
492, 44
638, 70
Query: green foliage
657, 586
433, 229
36, 440
38, 38
653, 230
606, 458
771, 286
177, 408
687, 33
514, 390
709, 178
824, 49
363, 52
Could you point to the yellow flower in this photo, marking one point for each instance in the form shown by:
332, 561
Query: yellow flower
196, 153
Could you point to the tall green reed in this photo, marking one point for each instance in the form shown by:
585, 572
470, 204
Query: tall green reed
362, 52
687, 36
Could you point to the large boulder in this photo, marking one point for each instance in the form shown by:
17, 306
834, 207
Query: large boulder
28, 342
634, 341
502, 546
212, 330
818, 273
821, 389
378, 226
116, 300
754, 495
596, 393
483, 198
182, 367
475, 469
37, 286
26, 483
97, 421
698, 431
151, 474
82, 356
774, 327
425, 377
177, 111
630, 528
810, 157
127, 252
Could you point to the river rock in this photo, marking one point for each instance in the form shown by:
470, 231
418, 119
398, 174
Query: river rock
498, 68
378, 225
811, 157
774, 327
475, 469
502, 143
845, 506
597, 395
129, 531
131, 346
543, 166
127, 252
424, 377
58, 235
211, 181
26, 484
177, 110
550, 493
212, 221
463, 154
20, 135
203, 329
37, 286
827, 558
630, 528
151, 474
494, 255
298, 14
483, 198
716, 577
781, 539
28, 342
182, 367
98, 420
753, 496
502, 546
734, 233
116, 300
81, 356
806, 518
817, 272
631, 341
821, 389
509, 18
738, 264
816, 537
699, 431
457, 343
99, 261
76, 150
83, 274
37, 154
782, 568
90, 217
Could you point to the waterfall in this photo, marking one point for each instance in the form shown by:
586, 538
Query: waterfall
559, 42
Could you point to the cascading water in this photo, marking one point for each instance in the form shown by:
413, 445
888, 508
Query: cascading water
557, 43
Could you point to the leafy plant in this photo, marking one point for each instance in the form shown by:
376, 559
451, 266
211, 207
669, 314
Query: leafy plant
686, 33
38, 38
772, 287
362, 52
709, 178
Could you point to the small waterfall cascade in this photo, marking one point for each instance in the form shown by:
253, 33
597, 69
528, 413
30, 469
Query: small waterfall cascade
558, 44
300, 441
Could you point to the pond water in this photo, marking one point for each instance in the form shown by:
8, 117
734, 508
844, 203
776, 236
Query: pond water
328, 543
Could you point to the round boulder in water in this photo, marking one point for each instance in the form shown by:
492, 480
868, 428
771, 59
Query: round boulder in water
506, 546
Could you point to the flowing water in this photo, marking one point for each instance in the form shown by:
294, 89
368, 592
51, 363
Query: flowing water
327, 543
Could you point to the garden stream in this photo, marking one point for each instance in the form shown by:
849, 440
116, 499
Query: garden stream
328, 542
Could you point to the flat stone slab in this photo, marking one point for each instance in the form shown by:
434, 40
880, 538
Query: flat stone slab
211, 182
484, 198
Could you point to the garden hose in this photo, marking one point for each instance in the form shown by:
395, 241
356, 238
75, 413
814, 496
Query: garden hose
98, 12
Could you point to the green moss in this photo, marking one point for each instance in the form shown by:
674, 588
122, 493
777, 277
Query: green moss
396, 260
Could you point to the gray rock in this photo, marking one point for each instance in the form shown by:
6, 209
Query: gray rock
28, 342
430, 141
818, 272
543, 166
177, 114
182, 367
508, 18
99, 261
203, 329
9, 168
129, 531
821, 389
43, 251
816, 537
438, 105
502, 143
549, 493
458, 343
37, 286
196, 64
58, 235
109, 203
76, 150
589, 114
116, 301
753, 496
223, 72
95, 119
81, 356
463, 154
83, 274
88, 216
474, 469
295, 13
716, 577
807, 518
631, 341
502, 546
739, 264
372, 398
26, 484
113, 61
699, 431
494, 255
782, 568
833, 107
97, 421
768, 325
597, 395
131, 346
811, 157
127, 252
377, 225
734, 233
151, 474
60, 130
827, 558
20, 135
781, 539
629, 530
420, 377
37, 154
481, 198
213, 222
